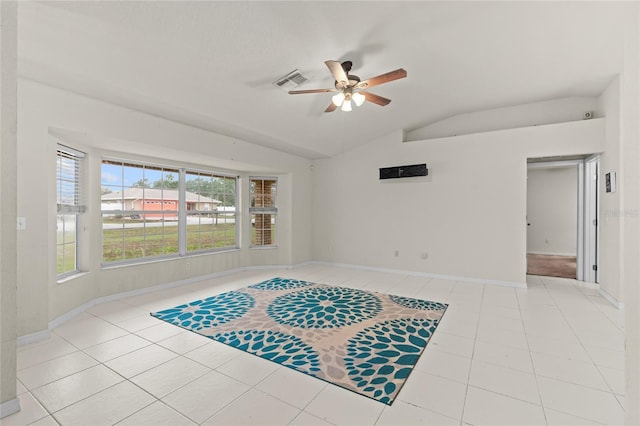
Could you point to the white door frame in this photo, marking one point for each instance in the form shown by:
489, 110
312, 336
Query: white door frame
587, 212
580, 259
591, 207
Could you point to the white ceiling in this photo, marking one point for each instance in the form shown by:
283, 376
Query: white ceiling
212, 64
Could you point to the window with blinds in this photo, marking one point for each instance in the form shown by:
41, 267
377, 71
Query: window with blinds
263, 211
70, 204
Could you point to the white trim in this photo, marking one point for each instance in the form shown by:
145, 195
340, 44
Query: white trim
182, 213
513, 284
609, 298
161, 258
104, 299
580, 233
552, 254
10, 407
43, 335
69, 315
70, 276
587, 211
554, 164
38, 336
591, 214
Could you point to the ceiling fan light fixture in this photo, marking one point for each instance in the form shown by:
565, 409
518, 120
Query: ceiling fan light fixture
358, 98
347, 85
338, 99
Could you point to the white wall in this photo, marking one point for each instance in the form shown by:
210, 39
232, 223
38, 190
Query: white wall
619, 274
104, 129
630, 216
609, 255
468, 216
533, 114
8, 194
552, 210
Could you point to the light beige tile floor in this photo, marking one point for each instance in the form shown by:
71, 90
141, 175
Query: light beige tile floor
551, 354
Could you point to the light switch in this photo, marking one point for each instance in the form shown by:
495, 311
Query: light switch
22, 223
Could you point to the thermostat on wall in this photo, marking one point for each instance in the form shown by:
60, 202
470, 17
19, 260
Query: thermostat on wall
610, 182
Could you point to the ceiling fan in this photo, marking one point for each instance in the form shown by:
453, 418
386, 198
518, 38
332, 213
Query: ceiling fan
351, 88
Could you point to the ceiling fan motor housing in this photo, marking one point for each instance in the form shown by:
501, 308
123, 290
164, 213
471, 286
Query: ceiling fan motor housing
352, 81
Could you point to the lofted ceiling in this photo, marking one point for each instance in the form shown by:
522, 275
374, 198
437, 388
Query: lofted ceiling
211, 64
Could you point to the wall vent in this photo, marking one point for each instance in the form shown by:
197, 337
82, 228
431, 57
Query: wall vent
290, 81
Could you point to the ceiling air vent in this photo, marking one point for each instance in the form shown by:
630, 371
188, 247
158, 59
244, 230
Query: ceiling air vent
290, 81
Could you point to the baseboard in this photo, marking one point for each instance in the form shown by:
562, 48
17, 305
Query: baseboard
38, 336
609, 298
10, 407
186, 281
71, 314
512, 284
42, 335
113, 297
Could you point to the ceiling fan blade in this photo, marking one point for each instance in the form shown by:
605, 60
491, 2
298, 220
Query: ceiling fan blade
379, 100
299, 92
338, 73
383, 78
332, 107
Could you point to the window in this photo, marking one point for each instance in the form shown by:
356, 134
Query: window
263, 211
154, 211
69, 206
211, 211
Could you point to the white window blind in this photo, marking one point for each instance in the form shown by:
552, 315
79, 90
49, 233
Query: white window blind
68, 180
70, 204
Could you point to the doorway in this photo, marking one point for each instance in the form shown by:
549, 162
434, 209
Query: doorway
562, 208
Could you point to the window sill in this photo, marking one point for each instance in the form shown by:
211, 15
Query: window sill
71, 277
139, 262
263, 247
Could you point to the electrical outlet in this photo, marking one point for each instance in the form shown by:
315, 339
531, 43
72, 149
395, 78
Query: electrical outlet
22, 223
188, 266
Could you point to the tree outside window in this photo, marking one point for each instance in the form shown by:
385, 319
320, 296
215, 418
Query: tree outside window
156, 211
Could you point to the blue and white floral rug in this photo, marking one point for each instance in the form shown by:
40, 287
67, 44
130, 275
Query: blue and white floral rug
364, 341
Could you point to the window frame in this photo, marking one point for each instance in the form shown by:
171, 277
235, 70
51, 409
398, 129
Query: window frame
181, 210
272, 211
187, 212
64, 207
